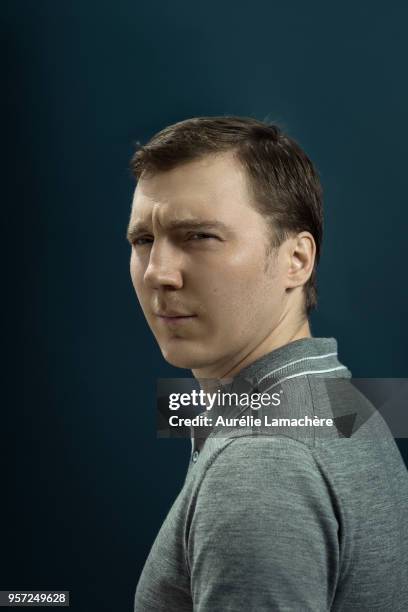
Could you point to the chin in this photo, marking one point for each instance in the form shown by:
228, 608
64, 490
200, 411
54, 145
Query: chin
187, 359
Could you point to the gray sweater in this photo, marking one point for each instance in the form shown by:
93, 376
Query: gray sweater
287, 518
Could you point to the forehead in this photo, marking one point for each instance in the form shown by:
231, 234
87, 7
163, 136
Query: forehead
212, 187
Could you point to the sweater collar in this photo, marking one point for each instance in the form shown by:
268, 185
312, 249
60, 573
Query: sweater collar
300, 357
306, 356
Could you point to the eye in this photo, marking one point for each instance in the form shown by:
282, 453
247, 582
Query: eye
142, 241
201, 236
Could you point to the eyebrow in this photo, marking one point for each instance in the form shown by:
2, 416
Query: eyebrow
192, 224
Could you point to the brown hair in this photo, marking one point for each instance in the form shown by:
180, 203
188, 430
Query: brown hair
282, 179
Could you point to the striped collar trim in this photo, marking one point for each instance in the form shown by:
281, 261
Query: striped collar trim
304, 357
299, 358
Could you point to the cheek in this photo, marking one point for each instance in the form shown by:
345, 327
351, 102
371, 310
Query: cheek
137, 281
232, 293
242, 294
240, 279
136, 273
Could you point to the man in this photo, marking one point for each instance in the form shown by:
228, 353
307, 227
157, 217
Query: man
226, 231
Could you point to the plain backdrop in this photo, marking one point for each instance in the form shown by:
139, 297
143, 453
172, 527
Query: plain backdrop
85, 482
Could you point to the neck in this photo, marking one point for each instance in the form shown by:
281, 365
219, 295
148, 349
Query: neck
225, 372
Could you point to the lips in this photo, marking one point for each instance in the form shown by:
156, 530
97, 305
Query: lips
173, 321
173, 315
174, 318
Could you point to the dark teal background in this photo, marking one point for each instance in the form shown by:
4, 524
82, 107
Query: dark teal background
85, 482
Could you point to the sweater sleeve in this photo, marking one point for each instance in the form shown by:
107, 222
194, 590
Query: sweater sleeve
264, 533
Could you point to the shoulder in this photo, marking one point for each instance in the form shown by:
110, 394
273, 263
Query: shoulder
263, 509
276, 469
259, 450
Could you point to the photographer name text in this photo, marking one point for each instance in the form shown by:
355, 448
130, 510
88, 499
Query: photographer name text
248, 421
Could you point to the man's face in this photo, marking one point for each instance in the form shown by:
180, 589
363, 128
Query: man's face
199, 249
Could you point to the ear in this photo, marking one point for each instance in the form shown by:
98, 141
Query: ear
301, 257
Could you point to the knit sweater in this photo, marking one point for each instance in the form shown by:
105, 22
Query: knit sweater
288, 518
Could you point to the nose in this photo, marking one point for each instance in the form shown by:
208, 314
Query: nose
164, 267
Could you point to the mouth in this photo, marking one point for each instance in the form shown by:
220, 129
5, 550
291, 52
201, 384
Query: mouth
175, 319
